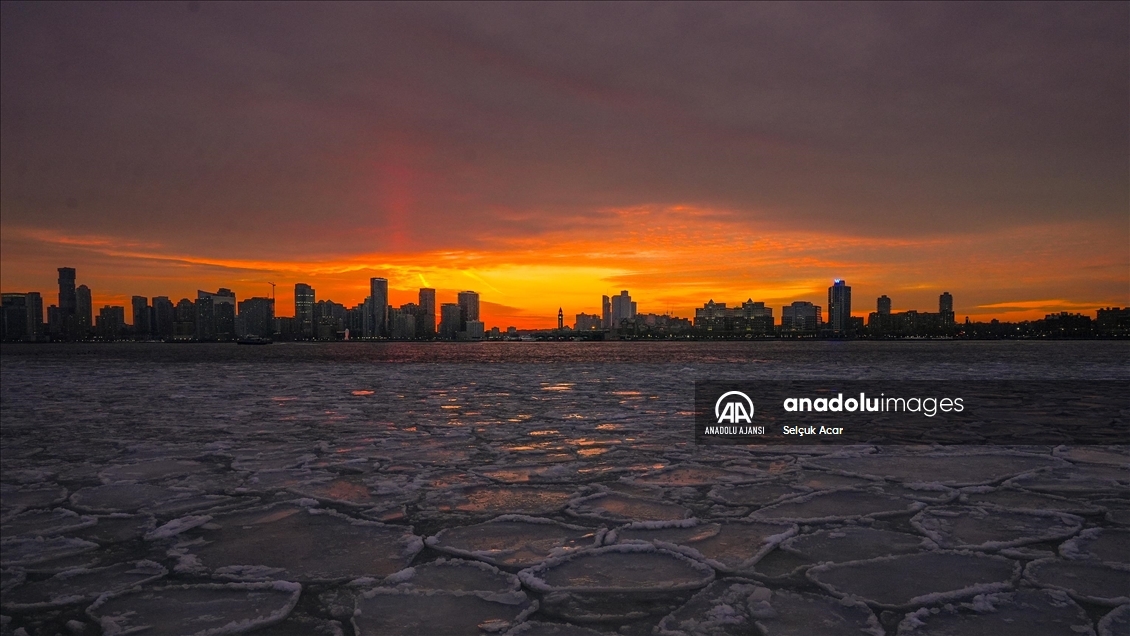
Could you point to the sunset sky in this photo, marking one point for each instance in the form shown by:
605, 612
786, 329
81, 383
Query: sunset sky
545, 154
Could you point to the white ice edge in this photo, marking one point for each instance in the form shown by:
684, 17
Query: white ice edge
531, 576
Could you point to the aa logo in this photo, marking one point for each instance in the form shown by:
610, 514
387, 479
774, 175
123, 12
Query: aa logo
733, 407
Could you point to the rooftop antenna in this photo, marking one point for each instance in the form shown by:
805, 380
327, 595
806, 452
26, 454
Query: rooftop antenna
272, 291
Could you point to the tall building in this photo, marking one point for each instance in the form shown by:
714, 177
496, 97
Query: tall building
215, 315
588, 322
67, 290
883, 305
560, 319
34, 316
426, 319
945, 309
184, 320
605, 312
801, 316
622, 308
450, 315
378, 291
839, 307
468, 308
13, 327
140, 316
164, 318
84, 312
257, 317
111, 322
304, 309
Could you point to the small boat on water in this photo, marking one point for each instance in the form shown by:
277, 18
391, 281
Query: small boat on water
254, 340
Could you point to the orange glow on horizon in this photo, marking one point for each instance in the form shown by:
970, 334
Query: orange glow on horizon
672, 260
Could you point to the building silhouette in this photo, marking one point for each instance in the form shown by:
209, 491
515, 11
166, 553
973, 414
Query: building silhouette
801, 316
140, 306
839, 307
256, 317
84, 312
426, 322
304, 299
450, 317
378, 307
622, 308
945, 309
111, 322
164, 318
468, 308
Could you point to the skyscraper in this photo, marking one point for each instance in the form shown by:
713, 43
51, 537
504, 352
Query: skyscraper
378, 291
839, 307
883, 305
84, 312
140, 316
945, 309
622, 308
67, 290
257, 316
426, 327
468, 308
164, 318
450, 315
34, 316
304, 309
605, 313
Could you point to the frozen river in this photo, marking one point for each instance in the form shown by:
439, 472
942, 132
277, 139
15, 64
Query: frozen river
536, 488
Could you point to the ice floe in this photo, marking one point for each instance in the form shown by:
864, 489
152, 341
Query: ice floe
456, 575
1111, 545
1116, 623
514, 541
838, 505
200, 610
629, 567
854, 543
1087, 581
734, 607
28, 551
912, 580
80, 585
124, 497
1024, 612
615, 507
395, 612
499, 500
992, 529
45, 523
727, 546
947, 469
297, 543
1017, 499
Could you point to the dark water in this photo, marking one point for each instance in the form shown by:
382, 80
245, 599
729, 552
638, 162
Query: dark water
428, 441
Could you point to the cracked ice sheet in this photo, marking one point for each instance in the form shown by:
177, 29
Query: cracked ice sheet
729, 546
614, 507
212, 609
913, 580
497, 500
629, 567
1087, 581
944, 469
289, 541
1110, 545
1116, 623
454, 575
838, 505
735, 607
854, 543
388, 612
80, 585
993, 529
514, 541
1024, 612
